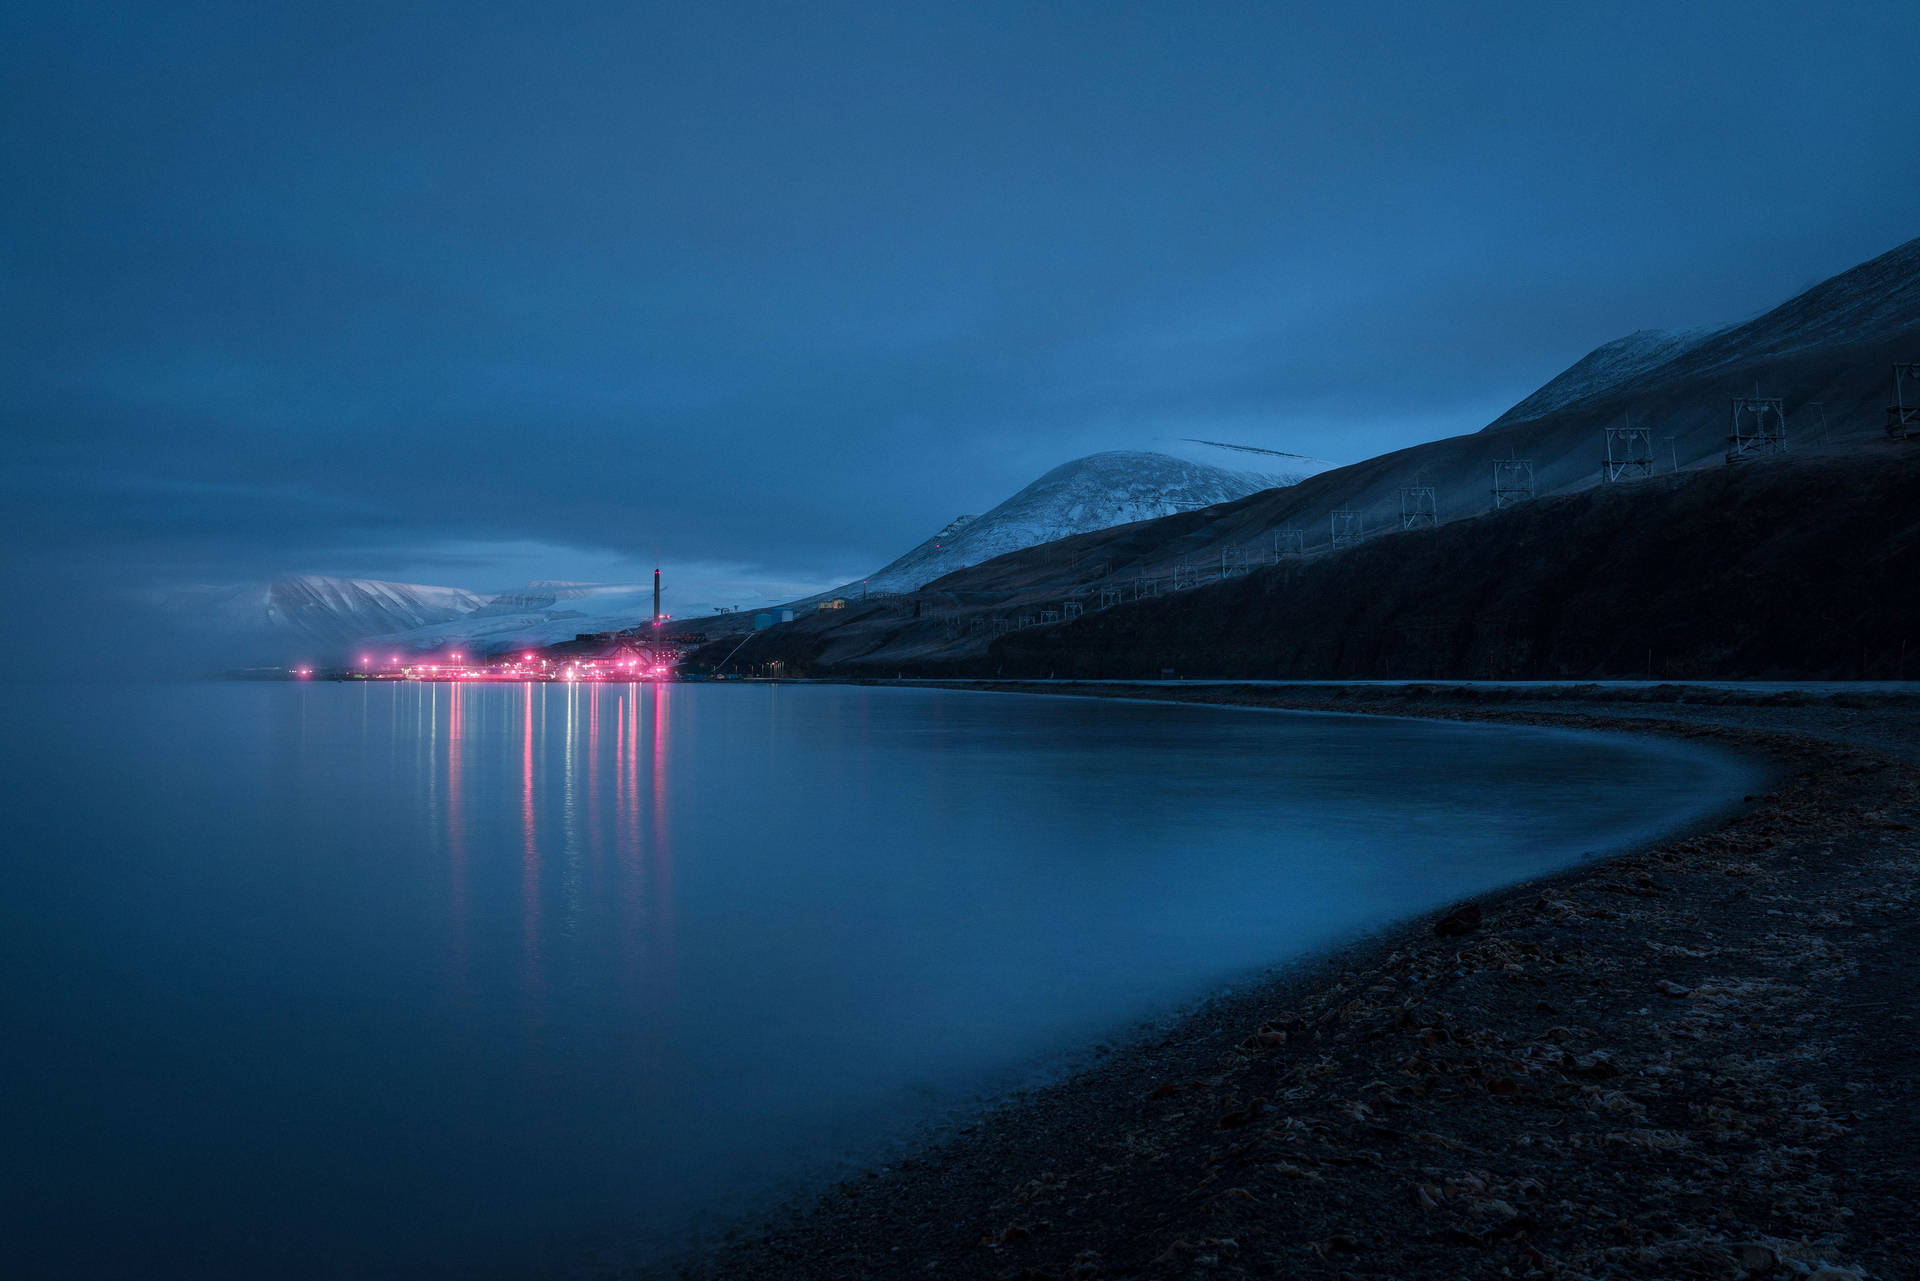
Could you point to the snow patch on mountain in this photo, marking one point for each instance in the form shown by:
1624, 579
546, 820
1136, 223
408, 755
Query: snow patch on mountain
538, 614
1610, 365
1096, 492
319, 609
1874, 302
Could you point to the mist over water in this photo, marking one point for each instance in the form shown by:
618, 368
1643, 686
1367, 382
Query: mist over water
324, 980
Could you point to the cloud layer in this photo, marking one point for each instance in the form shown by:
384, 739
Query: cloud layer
770, 292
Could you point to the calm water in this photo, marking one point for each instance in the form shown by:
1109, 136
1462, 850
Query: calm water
343, 981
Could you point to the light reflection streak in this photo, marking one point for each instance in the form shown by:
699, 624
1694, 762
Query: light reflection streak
662, 851
533, 980
456, 826
527, 825
608, 839
571, 868
627, 870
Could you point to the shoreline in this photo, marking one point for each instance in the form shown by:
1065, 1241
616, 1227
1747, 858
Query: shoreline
1413, 1105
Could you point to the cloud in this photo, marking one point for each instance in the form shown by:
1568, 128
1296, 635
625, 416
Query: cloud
771, 294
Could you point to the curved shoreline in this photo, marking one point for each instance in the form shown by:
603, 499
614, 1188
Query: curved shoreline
1407, 1105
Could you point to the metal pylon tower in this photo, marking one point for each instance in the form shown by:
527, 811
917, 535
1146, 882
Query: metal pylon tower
1757, 427
1903, 411
1233, 560
1289, 542
1629, 453
1418, 507
1349, 527
1512, 481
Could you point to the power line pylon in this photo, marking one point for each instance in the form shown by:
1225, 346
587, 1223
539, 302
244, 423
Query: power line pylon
1757, 427
1349, 527
1419, 509
1629, 453
1512, 481
1903, 411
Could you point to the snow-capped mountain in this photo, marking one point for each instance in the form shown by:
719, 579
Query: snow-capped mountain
1087, 494
319, 610
1826, 353
539, 598
537, 614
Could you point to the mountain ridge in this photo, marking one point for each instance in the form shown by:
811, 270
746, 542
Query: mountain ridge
1825, 353
1093, 492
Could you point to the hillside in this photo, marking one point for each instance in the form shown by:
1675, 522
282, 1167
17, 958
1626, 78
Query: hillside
1787, 570
1826, 352
1802, 568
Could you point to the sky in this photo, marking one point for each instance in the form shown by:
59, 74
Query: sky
477, 294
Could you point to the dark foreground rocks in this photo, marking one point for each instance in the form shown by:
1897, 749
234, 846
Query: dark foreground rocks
1696, 1061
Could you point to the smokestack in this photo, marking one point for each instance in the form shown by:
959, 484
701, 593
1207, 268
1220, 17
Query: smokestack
656, 595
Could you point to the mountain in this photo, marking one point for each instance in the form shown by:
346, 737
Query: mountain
1826, 353
318, 610
1092, 493
538, 614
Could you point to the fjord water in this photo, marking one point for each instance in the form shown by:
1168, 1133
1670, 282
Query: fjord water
338, 980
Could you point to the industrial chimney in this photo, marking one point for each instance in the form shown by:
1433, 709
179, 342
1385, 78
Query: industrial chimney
656, 596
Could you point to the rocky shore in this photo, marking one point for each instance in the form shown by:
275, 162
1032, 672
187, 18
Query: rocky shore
1696, 1060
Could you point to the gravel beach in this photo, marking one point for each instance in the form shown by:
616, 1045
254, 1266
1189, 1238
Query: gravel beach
1693, 1060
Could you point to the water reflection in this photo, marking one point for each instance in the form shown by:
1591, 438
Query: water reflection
659, 929
456, 830
413, 980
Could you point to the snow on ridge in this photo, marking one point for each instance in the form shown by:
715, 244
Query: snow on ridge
361, 595
1609, 365
317, 608
529, 619
1869, 302
1092, 493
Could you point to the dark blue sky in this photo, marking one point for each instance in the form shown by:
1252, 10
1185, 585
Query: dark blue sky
475, 293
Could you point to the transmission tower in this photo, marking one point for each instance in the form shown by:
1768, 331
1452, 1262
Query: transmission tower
1419, 509
1349, 527
1289, 542
1757, 427
1629, 453
1903, 413
1512, 481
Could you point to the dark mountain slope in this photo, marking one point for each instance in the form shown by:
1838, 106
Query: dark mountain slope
1828, 349
1832, 344
1807, 569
